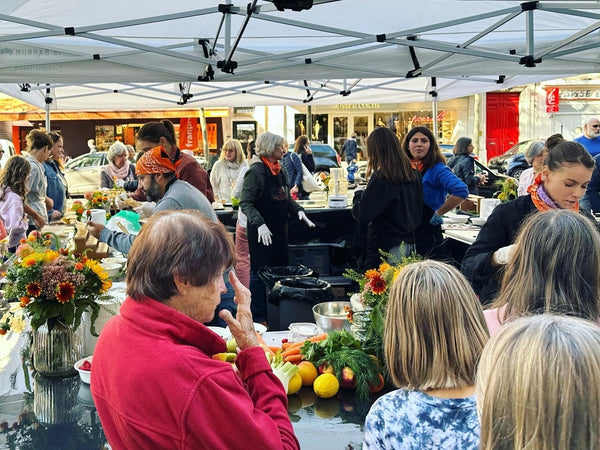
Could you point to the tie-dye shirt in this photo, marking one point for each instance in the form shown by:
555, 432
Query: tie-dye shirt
406, 419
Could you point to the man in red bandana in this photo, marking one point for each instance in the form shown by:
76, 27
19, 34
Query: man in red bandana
156, 174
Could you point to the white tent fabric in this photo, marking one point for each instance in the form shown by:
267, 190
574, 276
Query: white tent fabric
126, 55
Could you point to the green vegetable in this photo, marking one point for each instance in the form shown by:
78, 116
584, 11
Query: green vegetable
283, 371
232, 345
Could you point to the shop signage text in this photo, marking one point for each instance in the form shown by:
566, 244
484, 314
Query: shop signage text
579, 93
552, 99
359, 106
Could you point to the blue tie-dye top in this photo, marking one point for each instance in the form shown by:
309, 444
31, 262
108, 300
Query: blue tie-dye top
406, 419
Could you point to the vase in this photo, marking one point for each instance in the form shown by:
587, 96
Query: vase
55, 352
360, 320
55, 400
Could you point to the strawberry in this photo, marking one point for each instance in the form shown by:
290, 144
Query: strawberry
87, 366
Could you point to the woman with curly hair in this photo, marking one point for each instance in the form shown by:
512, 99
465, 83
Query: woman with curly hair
13, 190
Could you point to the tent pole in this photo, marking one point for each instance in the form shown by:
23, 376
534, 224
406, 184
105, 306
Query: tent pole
47, 116
309, 122
434, 108
204, 135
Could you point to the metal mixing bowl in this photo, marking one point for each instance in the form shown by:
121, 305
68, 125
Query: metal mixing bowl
331, 316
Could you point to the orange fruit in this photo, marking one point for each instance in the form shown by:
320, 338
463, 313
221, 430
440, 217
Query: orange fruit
294, 385
326, 385
308, 372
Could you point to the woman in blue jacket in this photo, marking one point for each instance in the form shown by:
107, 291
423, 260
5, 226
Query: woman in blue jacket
442, 190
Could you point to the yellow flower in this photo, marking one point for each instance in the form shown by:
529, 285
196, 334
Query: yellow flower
50, 255
17, 324
396, 273
383, 267
371, 273
95, 267
106, 285
30, 261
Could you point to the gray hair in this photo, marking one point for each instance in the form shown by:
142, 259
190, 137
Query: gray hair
536, 148
118, 148
588, 120
267, 142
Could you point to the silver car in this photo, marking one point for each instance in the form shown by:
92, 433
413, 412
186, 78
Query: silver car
83, 173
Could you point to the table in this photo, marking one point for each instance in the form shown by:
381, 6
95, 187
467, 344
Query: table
65, 409
464, 235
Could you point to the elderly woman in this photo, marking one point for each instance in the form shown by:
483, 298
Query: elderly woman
534, 155
266, 202
463, 165
163, 389
118, 168
225, 171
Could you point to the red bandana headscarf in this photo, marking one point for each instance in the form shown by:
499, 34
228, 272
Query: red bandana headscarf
541, 200
154, 161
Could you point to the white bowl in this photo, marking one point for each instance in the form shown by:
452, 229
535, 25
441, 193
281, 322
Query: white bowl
258, 327
84, 374
223, 332
456, 218
112, 269
115, 260
478, 221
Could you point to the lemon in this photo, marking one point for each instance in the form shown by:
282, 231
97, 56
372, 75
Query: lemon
308, 372
326, 385
295, 384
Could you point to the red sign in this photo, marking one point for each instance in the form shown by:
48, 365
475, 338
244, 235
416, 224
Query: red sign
552, 94
188, 133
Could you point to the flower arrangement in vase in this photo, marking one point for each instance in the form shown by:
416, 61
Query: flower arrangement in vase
53, 285
368, 305
95, 200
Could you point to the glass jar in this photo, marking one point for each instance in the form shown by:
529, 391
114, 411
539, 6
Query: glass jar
55, 352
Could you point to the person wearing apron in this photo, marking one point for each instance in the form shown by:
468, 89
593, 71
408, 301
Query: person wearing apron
267, 203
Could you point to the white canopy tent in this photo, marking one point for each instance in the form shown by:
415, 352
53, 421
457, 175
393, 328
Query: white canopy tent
131, 55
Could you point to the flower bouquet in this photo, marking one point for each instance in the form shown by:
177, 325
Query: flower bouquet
367, 307
95, 200
53, 285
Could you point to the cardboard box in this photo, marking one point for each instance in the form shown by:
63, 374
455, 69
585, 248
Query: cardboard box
471, 203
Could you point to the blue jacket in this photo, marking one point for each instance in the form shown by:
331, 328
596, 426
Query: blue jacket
438, 182
57, 186
293, 167
591, 199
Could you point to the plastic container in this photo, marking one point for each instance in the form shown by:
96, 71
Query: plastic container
300, 331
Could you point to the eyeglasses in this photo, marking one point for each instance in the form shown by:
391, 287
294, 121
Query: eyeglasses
596, 126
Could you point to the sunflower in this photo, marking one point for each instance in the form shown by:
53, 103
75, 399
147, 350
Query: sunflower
106, 285
33, 289
378, 285
95, 267
65, 291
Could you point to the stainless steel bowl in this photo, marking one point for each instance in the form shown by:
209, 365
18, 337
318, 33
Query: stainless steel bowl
331, 316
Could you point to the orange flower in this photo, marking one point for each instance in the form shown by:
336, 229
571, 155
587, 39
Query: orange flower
378, 285
80, 211
79, 266
24, 301
63, 251
33, 289
371, 273
30, 262
22, 241
65, 291
2, 332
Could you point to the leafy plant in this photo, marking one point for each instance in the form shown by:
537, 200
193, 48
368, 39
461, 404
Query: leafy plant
507, 189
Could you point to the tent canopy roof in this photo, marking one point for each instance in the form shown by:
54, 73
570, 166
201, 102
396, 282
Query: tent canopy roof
349, 51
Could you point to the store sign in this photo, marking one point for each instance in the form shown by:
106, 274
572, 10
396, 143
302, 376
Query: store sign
243, 110
359, 106
420, 119
585, 93
188, 133
552, 99
224, 112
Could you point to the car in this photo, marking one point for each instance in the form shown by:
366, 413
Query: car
512, 162
490, 188
8, 150
324, 155
83, 172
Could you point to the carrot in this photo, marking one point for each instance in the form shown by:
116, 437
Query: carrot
261, 341
295, 345
294, 359
274, 349
291, 351
285, 346
320, 337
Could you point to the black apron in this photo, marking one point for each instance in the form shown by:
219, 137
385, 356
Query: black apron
273, 207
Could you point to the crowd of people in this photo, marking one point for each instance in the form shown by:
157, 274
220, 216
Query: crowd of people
496, 351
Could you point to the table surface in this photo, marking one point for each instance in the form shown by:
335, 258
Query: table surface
65, 409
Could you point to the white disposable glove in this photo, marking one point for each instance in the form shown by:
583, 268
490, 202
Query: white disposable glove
120, 183
145, 210
503, 255
302, 217
120, 201
264, 235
